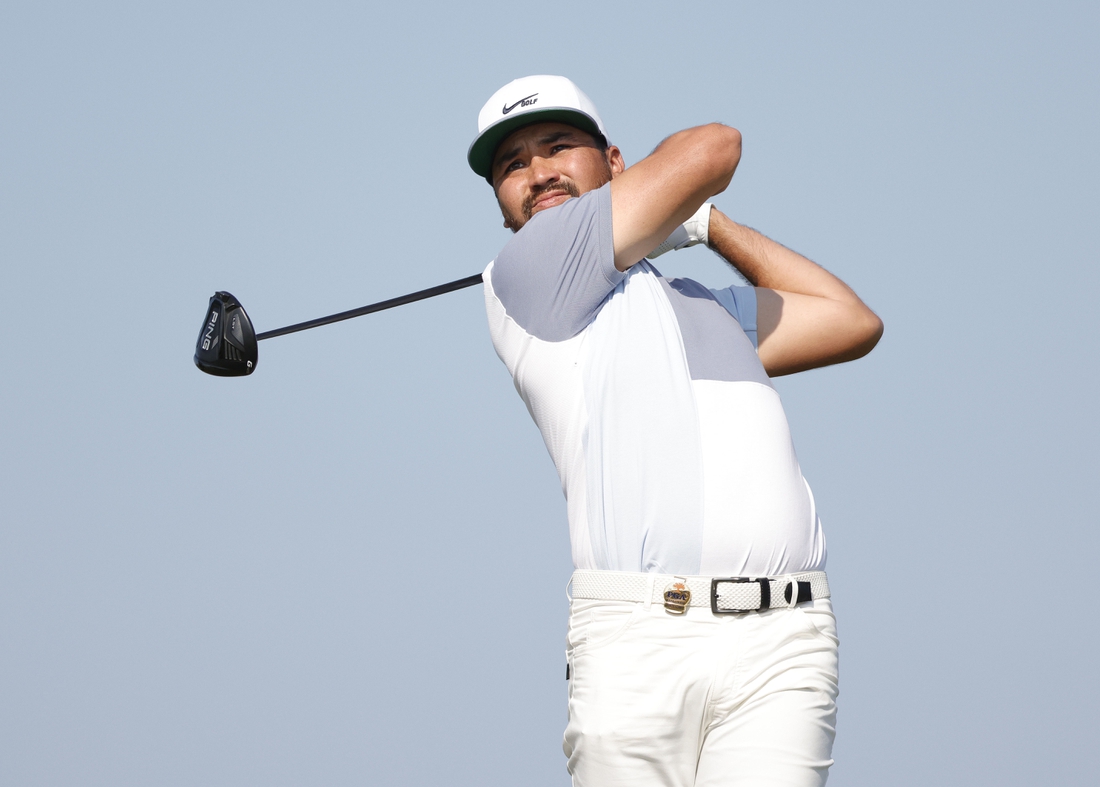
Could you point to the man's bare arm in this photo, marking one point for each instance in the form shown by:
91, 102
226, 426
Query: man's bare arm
806, 316
653, 197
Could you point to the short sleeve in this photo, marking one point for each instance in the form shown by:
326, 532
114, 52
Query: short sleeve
740, 301
555, 274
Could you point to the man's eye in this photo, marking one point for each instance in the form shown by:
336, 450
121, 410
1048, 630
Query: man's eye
513, 166
558, 148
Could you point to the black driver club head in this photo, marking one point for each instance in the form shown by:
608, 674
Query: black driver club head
227, 344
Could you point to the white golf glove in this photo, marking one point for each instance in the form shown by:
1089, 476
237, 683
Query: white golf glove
691, 232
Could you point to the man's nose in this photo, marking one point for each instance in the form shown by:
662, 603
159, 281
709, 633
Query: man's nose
543, 171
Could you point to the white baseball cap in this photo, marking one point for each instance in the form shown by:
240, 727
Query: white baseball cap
534, 99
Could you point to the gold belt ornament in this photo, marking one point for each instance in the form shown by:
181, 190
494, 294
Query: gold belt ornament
677, 597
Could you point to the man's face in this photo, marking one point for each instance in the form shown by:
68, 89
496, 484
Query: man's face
542, 165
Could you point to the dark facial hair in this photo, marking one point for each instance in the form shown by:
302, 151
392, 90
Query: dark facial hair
565, 184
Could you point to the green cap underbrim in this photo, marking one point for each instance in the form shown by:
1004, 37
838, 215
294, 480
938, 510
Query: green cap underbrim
485, 146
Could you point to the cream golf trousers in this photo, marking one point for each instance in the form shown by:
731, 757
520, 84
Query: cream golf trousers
700, 700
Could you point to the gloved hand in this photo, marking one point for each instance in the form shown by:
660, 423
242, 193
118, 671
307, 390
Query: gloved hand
691, 232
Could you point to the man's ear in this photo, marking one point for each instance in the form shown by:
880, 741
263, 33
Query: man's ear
615, 160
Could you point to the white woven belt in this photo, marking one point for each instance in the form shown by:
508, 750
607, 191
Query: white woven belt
724, 595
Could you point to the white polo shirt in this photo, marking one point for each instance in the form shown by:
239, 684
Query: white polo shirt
671, 443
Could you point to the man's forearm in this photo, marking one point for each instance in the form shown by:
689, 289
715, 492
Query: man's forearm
806, 316
766, 263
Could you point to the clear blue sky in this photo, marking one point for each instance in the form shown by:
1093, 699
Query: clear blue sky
349, 568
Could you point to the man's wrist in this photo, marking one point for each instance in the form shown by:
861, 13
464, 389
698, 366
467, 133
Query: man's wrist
692, 232
698, 226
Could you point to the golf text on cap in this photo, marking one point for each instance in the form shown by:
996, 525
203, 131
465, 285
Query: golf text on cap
523, 102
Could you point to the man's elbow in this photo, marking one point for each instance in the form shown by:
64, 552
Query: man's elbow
868, 332
715, 154
725, 142
727, 151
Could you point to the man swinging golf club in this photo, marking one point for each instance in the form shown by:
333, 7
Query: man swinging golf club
702, 648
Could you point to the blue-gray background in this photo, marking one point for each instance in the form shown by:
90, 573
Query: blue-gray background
349, 568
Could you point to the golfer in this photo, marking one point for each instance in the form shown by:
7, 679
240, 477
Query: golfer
702, 647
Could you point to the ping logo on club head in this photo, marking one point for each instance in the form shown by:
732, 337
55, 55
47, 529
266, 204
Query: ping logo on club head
208, 338
523, 102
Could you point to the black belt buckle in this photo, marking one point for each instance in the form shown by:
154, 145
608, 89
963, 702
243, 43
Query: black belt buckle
765, 594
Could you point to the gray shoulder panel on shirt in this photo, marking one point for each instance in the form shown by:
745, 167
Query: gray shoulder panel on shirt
716, 346
740, 301
554, 275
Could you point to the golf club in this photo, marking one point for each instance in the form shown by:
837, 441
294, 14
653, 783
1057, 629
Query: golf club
227, 344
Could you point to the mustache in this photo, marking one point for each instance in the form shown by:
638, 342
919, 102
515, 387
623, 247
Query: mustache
563, 185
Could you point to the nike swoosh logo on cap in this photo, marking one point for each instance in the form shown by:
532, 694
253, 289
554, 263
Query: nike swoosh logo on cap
525, 101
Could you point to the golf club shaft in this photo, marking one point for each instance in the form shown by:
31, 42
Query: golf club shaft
451, 286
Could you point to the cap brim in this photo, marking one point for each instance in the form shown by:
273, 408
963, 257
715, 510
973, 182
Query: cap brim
480, 155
